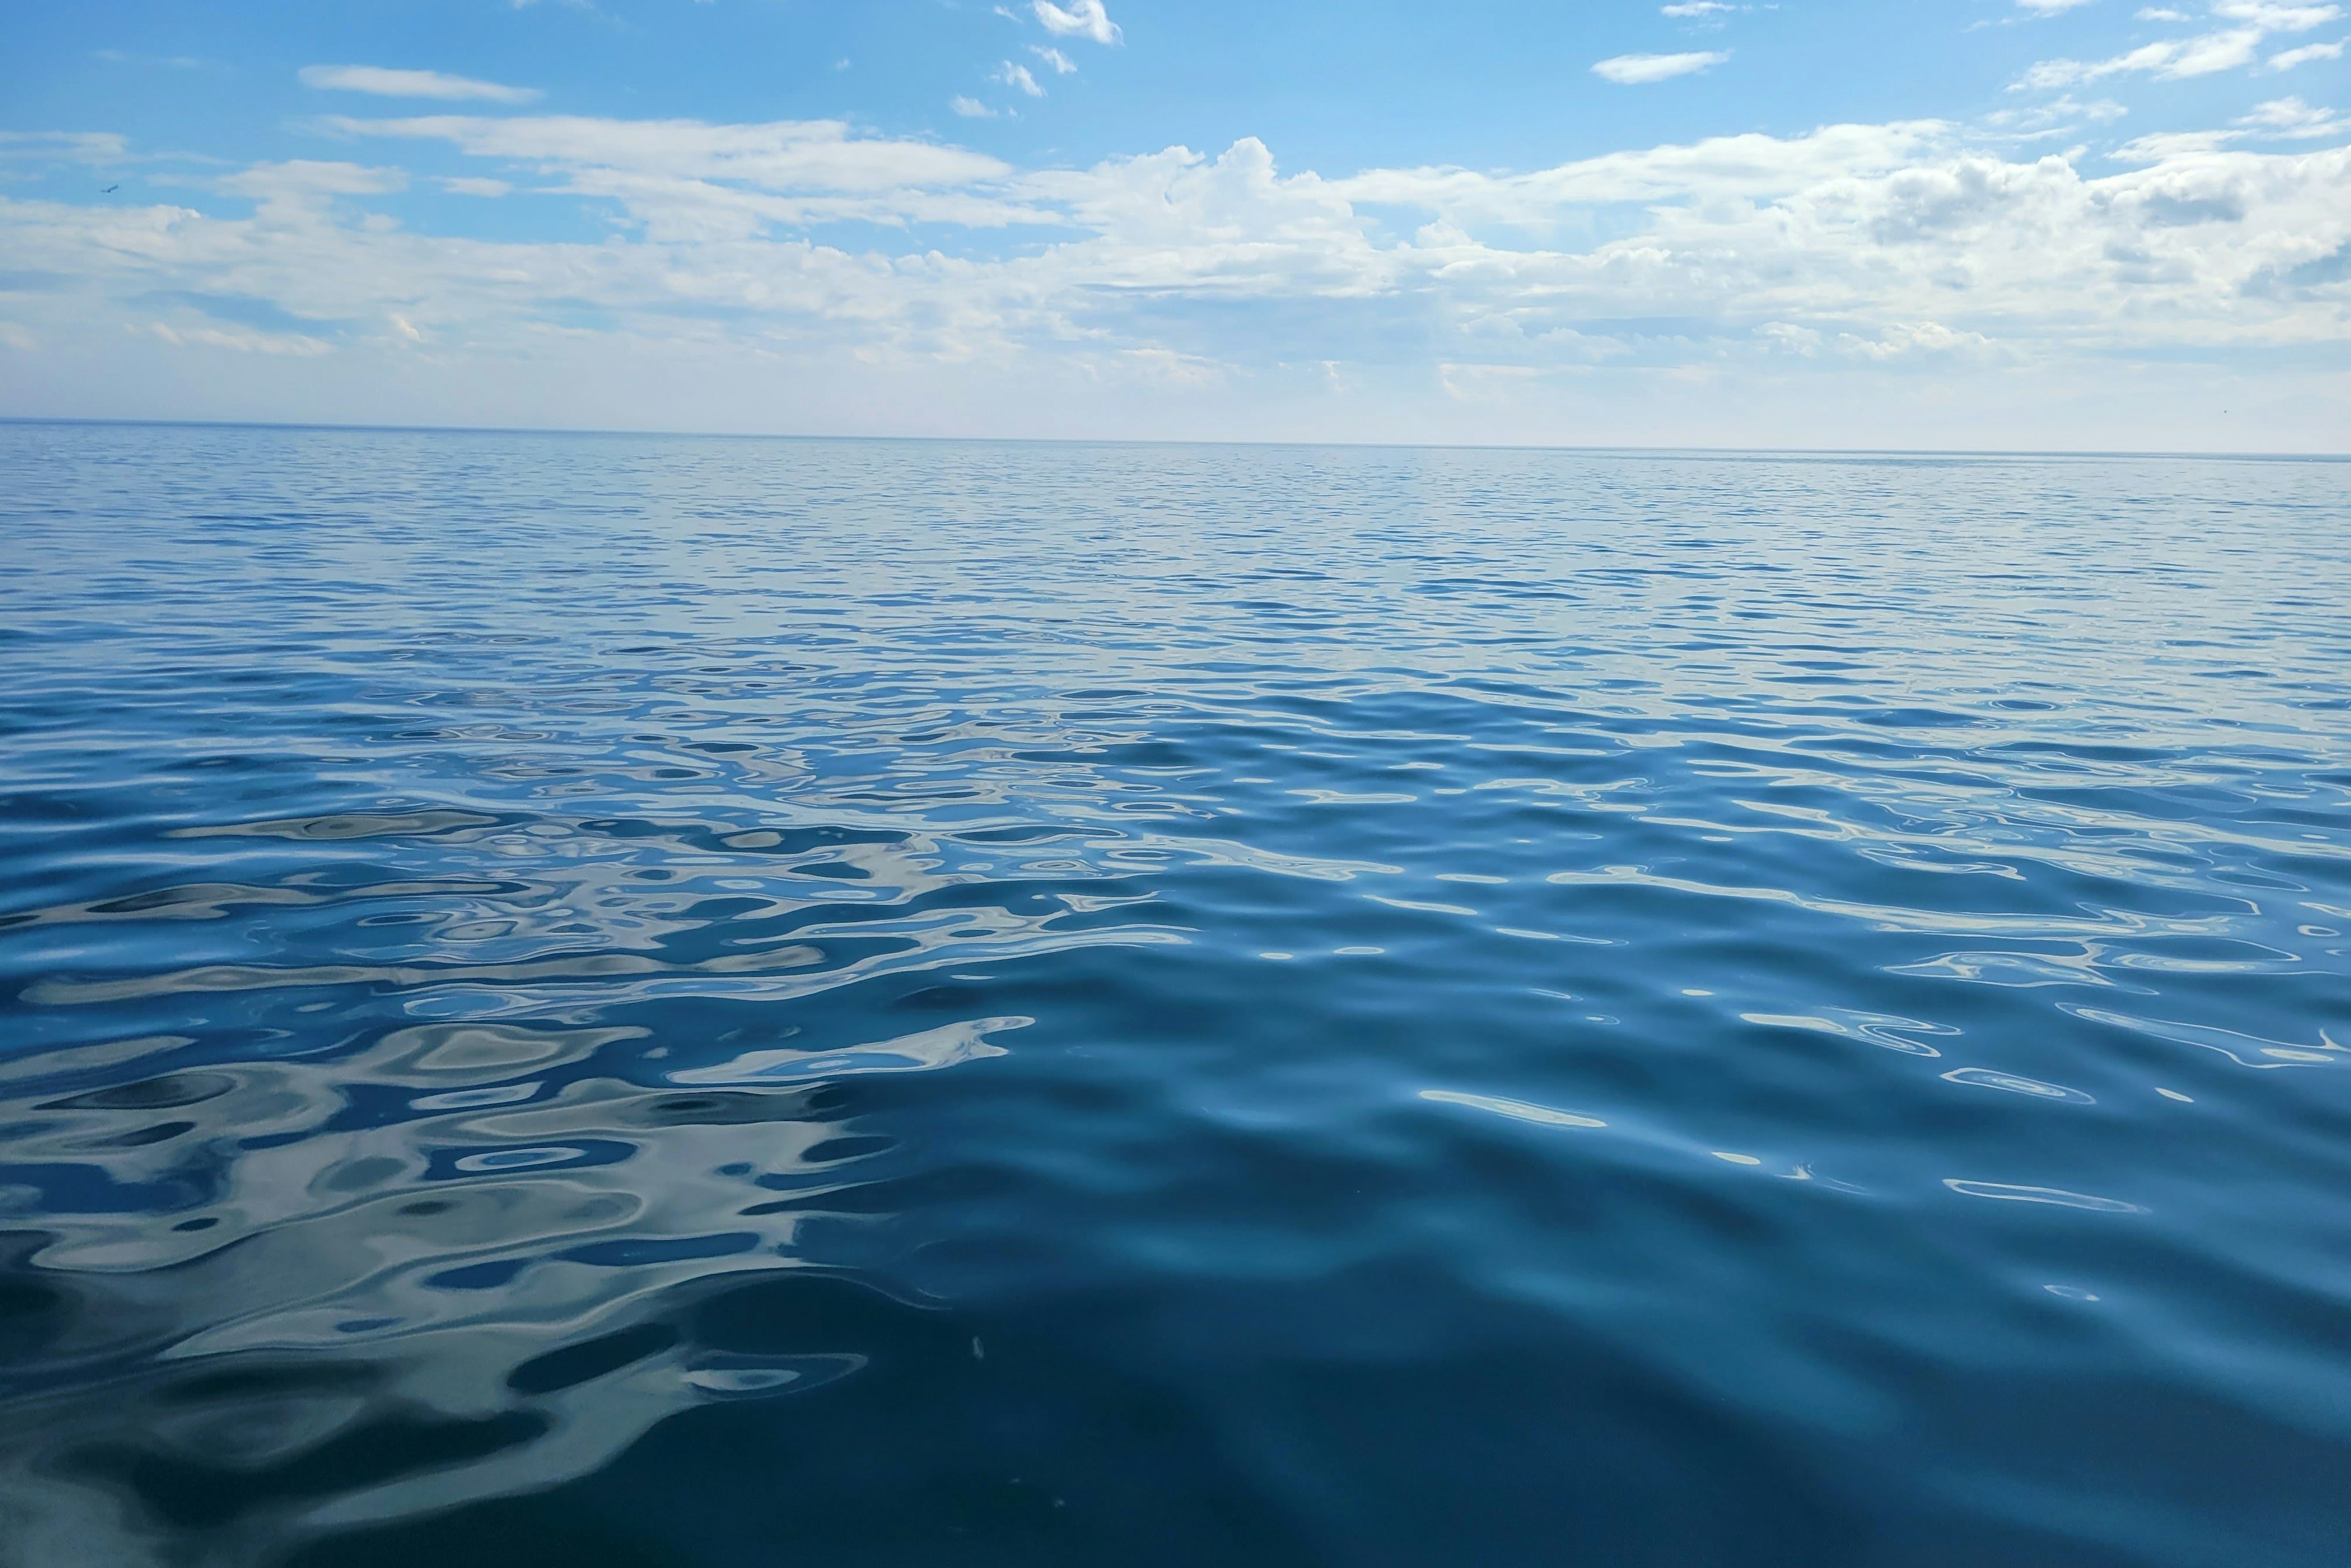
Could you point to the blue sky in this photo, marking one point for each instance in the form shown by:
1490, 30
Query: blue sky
1951, 223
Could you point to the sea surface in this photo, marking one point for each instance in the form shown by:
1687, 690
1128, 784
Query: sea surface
589, 1001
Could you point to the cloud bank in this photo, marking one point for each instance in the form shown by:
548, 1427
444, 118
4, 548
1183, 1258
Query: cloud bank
802, 274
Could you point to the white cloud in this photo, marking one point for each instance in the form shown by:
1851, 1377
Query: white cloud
2287, 118
2162, 13
2167, 146
474, 185
1633, 71
2173, 57
1062, 65
77, 146
970, 108
2292, 118
2060, 113
2206, 54
1086, 19
1688, 8
387, 83
1880, 248
242, 342
2286, 60
1909, 340
2050, 8
2271, 18
1741, 168
689, 181
1017, 75
778, 155
303, 180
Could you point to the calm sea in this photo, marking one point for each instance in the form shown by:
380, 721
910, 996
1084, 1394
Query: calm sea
596, 1001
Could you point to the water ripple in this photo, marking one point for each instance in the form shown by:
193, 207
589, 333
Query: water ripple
671, 1000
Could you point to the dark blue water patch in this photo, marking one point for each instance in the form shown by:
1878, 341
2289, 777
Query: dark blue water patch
658, 1002
495, 1274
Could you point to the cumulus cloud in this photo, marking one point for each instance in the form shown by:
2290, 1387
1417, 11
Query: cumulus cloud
1086, 19
387, 83
1634, 70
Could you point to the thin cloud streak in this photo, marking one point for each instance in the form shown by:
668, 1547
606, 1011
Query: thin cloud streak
1638, 70
383, 82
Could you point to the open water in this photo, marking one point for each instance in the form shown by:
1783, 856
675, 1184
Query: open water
597, 1001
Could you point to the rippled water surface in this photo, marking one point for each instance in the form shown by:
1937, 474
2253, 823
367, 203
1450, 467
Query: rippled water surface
599, 1001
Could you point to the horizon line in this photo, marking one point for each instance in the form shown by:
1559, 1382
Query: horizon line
600, 431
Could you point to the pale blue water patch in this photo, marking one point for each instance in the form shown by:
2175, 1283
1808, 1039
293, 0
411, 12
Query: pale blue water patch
600, 1000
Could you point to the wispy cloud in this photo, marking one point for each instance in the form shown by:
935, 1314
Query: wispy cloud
1691, 8
2281, 118
77, 146
385, 82
1018, 77
688, 181
970, 108
2061, 113
2050, 7
2292, 118
2251, 24
2286, 60
173, 62
1086, 19
1634, 70
239, 341
1062, 65
284, 191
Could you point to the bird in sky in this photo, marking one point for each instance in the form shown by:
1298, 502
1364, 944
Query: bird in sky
109, 190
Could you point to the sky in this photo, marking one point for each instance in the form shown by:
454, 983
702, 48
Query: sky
2038, 225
